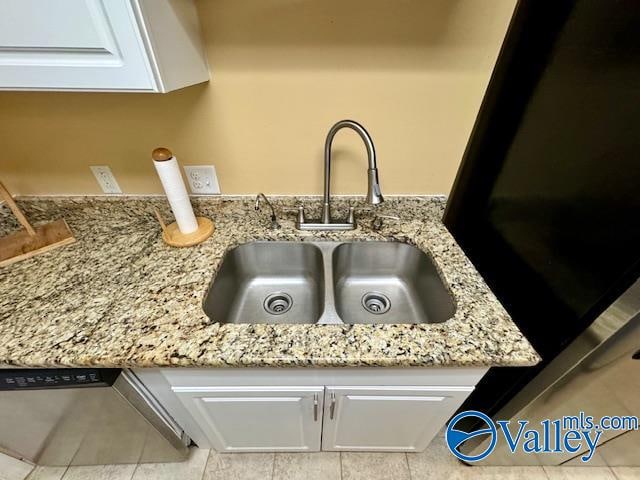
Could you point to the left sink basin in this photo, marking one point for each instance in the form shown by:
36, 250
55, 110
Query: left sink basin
268, 282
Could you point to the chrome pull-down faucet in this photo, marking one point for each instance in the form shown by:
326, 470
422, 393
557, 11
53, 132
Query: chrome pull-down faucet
374, 195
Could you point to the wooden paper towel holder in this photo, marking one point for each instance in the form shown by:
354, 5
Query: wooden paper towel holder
171, 234
31, 240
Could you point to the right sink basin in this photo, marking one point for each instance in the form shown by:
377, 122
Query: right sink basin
388, 282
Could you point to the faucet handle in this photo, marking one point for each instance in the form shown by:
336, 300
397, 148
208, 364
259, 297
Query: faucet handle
301, 218
351, 217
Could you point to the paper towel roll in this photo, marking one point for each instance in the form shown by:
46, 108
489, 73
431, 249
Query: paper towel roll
169, 173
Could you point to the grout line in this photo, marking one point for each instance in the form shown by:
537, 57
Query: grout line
406, 459
33, 467
66, 469
273, 468
340, 457
545, 472
206, 464
133, 474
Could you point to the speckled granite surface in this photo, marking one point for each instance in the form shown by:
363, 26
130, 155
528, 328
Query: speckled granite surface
121, 297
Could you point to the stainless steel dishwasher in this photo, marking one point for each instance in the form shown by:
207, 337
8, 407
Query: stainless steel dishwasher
94, 416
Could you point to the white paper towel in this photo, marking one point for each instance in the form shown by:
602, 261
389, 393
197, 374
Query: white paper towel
169, 173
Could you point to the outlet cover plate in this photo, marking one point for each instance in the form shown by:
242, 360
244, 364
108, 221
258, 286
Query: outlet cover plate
105, 178
202, 179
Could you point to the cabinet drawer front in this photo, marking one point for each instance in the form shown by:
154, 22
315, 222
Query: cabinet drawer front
72, 45
387, 418
252, 419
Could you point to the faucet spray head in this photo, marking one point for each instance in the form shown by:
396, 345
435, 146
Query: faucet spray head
374, 195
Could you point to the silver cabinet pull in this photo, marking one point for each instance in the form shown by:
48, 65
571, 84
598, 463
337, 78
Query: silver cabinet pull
332, 408
315, 407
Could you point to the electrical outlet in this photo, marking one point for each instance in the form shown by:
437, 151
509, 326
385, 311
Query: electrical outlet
202, 179
106, 179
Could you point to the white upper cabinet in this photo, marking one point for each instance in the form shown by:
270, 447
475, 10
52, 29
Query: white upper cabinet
100, 45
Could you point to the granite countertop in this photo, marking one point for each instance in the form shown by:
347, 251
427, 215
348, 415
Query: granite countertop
120, 297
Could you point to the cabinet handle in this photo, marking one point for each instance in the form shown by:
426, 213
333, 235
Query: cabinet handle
315, 407
332, 408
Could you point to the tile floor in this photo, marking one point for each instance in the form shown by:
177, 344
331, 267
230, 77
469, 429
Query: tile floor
435, 463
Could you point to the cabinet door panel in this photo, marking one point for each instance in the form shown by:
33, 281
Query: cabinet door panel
72, 44
252, 419
387, 418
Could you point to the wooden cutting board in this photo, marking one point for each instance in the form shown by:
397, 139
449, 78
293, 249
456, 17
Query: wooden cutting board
30, 241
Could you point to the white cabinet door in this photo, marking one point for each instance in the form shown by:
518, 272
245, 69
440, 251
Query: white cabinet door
387, 418
72, 45
254, 419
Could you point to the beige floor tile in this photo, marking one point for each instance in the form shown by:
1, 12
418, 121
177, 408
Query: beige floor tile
579, 473
374, 466
307, 466
100, 472
436, 462
505, 473
239, 466
626, 473
13, 469
596, 461
47, 473
190, 469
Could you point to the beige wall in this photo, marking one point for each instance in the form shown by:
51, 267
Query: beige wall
413, 72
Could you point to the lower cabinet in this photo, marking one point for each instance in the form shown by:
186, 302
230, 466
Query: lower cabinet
255, 419
311, 418
387, 419
311, 409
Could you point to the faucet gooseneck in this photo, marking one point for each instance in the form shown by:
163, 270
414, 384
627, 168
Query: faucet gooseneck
274, 219
374, 195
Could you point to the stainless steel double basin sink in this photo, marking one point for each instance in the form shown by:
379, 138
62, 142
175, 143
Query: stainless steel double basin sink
328, 283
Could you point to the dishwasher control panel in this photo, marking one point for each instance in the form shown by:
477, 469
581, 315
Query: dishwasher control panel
56, 378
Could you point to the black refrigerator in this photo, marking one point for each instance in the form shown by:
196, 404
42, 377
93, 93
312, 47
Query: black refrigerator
546, 203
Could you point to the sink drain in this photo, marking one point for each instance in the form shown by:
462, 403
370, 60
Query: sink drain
376, 303
278, 303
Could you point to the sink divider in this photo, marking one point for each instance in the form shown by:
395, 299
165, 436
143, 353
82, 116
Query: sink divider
330, 314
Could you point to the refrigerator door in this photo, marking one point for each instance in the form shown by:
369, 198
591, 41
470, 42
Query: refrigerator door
599, 374
546, 200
